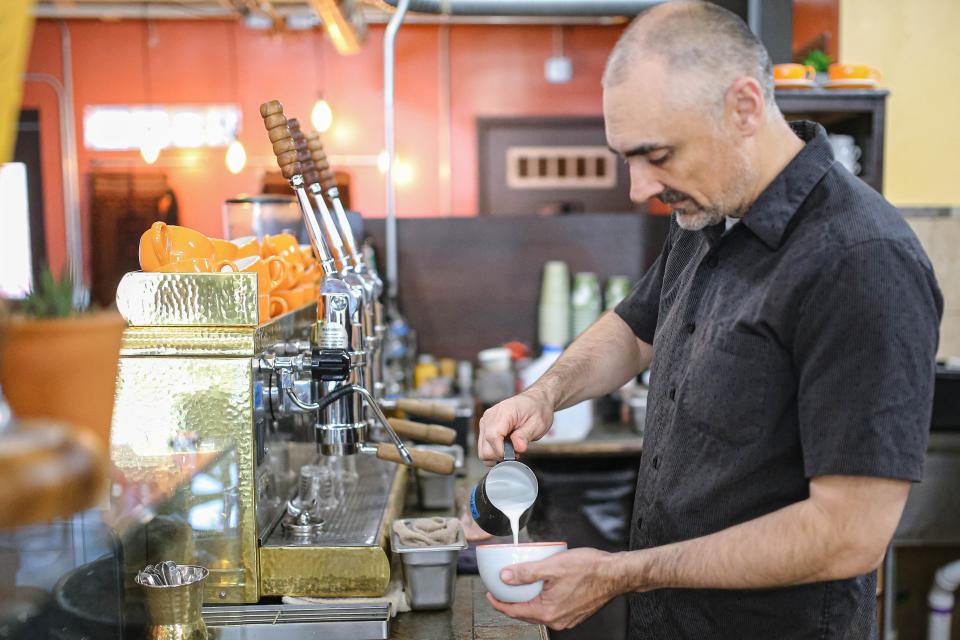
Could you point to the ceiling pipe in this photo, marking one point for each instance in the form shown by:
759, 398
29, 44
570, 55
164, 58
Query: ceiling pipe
558, 8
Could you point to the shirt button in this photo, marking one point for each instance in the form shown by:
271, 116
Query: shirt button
691, 327
673, 393
656, 462
639, 522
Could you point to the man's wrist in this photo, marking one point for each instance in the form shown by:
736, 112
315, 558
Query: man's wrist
542, 392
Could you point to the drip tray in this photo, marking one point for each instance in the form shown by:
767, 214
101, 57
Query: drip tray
299, 622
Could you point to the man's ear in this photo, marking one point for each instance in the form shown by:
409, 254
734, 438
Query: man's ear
745, 105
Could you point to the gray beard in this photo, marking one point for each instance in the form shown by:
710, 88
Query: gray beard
697, 219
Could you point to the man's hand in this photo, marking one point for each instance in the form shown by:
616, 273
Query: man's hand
524, 417
575, 584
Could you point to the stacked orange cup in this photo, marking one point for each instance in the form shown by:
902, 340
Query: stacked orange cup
299, 287
171, 249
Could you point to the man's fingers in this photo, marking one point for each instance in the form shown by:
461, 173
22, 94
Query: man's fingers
522, 611
525, 573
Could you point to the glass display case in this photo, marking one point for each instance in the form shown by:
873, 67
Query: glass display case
73, 579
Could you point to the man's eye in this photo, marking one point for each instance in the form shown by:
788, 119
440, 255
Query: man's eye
658, 159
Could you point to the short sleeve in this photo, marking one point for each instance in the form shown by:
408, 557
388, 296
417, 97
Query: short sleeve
641, 307
865, 358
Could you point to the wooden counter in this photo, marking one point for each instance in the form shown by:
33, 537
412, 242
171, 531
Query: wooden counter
470, 618
605, 439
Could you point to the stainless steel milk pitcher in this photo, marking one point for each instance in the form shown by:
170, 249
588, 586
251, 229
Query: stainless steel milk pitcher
486, 514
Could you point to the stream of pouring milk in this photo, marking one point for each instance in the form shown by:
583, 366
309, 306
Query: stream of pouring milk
510, 491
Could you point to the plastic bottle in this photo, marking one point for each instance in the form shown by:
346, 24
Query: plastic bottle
571, 424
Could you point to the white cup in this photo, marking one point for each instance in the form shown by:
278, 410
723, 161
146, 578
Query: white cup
493, 558
555, 288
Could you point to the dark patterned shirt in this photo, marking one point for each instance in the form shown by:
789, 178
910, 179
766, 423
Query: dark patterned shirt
801, 343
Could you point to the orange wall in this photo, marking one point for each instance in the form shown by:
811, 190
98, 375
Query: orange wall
495, 71
813, 17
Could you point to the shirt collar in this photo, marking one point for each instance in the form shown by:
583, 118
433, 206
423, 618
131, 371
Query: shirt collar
769, 216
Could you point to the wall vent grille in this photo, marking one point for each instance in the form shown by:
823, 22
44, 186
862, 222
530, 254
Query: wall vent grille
578, 167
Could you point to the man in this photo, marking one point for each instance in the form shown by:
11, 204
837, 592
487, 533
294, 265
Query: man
792, 324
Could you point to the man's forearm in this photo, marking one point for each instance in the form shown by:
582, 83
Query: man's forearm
801, 543
601, 360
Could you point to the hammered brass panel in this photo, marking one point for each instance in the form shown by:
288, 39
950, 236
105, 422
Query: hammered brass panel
189, 341
218, 340
187, 299
324, 571
160, 398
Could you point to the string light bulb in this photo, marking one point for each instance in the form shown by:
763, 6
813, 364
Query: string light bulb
321, 116
236, 157
149, 152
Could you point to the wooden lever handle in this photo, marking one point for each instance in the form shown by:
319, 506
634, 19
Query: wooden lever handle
310, 174
427, 460
428, 409
284, 146
320, 159
433, 433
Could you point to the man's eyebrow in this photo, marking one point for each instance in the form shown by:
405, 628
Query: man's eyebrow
639, 150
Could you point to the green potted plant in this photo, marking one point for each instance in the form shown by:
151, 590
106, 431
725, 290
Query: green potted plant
60, 362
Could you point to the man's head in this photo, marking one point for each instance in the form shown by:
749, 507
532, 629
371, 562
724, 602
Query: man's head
687, 100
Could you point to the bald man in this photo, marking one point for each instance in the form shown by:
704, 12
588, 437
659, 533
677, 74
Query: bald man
791, 323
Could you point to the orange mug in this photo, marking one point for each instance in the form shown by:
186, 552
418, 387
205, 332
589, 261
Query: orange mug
270, 271
284, 245
853, 72
246, 246
224, 249
311, 275
190, 265
294, 297
294, 272
270, 307
792, 71
165, 243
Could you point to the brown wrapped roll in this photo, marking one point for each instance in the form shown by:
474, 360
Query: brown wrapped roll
433, 433
428, 409
427, 460
283, 145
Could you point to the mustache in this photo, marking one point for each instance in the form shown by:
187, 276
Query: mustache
671, 196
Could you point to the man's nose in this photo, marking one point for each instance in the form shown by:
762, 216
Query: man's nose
643, 184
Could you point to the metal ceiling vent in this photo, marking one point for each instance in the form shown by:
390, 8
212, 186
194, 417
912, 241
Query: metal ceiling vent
578, 167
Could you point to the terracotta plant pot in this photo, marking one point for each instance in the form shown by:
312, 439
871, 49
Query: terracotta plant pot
63, 369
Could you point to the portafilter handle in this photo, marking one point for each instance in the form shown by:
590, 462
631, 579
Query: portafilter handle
397, 451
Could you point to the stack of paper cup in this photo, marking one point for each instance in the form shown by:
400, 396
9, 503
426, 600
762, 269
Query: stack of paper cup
555, 304
585, 302
618, 287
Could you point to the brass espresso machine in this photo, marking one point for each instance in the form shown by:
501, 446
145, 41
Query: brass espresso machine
306, 480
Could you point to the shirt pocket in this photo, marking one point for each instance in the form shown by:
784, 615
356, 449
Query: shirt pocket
725, 388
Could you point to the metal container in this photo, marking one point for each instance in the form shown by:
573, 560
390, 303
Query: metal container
638, 411
484, 512
429, 573
262, 215
435, 490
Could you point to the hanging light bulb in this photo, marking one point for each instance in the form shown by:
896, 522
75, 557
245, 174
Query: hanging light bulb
321, 116
151, 143
236, 157
149, 151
